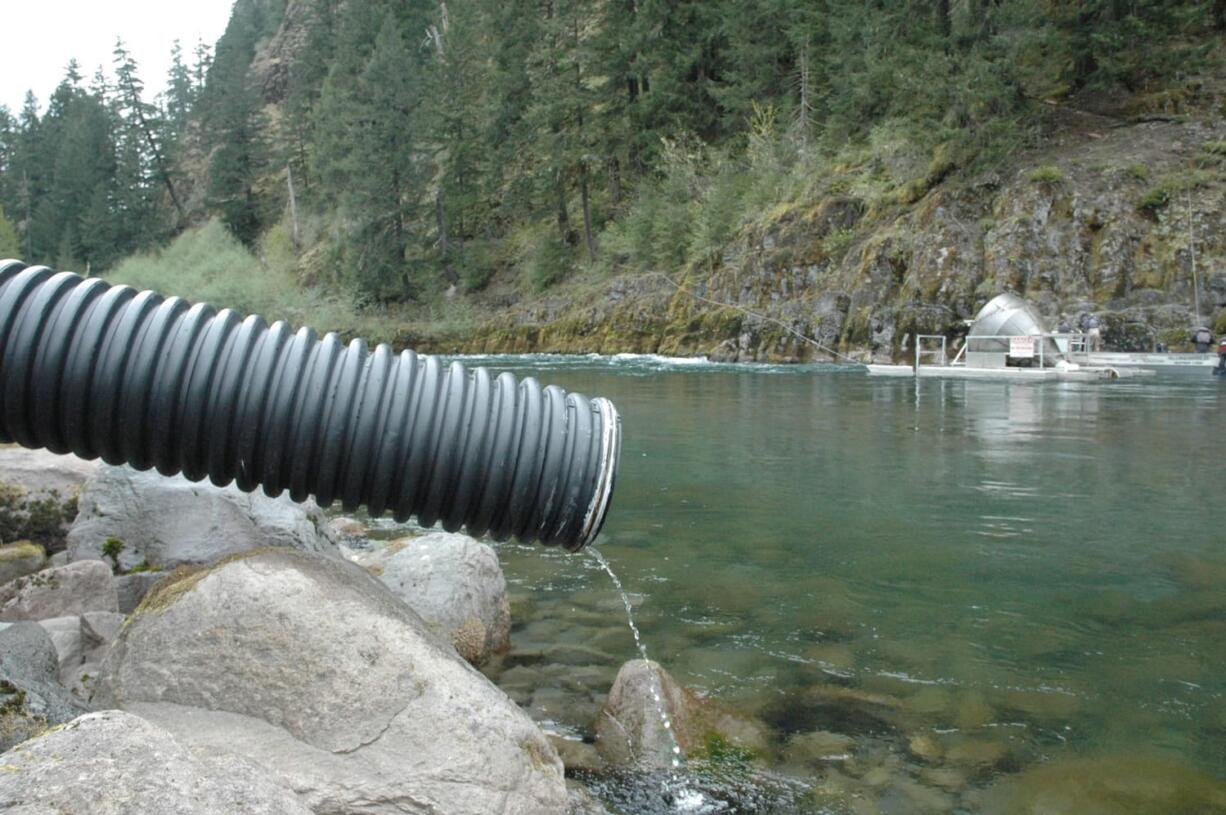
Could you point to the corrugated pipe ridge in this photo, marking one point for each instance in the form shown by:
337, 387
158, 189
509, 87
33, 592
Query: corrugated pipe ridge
135, 378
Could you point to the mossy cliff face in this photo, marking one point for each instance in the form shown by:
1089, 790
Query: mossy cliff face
1112, 222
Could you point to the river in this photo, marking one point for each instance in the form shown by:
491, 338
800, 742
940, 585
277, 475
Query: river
1040, 566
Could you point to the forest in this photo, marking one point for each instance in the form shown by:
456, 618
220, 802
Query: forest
400, 149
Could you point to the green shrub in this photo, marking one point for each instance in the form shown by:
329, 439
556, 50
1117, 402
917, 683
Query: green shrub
208, 264
1154, 201
1137, 171
1049, 174
1217, 148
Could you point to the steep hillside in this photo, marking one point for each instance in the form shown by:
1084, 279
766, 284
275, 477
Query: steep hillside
1107, 222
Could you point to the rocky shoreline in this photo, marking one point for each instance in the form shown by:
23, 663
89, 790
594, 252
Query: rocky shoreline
180, 648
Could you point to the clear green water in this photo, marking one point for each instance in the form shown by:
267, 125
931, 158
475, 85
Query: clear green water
1044, 565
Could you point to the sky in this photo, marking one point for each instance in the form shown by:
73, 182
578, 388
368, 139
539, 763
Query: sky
42, 35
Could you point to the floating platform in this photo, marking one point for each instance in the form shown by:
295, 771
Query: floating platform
1062, 374
1114, 359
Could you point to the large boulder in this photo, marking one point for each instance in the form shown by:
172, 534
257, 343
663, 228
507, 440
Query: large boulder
20, 559
456, 584
309, 667
38, 494
31, 697
649, 721
165, 522
114, 762
64, 590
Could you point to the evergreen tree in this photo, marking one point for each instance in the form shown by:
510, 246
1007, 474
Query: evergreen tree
143, 124
10, 244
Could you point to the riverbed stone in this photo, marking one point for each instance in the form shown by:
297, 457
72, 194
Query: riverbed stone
20, 559
344, 527
818, 747
65, 590
165, 522
1106, 785
31, 696
112, 762
630, 730
456, 584
313, 670
38, 494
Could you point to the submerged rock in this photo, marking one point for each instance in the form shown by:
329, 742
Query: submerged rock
20, 559
818, 747
116, 762
58, 592
38, 494
31, 697
310, 668
456, 584
1107, 785
164, 522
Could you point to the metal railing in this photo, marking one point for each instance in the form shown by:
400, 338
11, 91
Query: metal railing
921, 351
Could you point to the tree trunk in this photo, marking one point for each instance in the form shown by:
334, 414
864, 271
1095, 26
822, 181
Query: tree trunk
293, 201
942, 11
563, 217
588, 237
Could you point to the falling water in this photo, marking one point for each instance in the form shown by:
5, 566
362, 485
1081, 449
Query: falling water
683, 798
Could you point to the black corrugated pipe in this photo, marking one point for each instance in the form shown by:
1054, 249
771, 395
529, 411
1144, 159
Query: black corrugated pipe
133, 378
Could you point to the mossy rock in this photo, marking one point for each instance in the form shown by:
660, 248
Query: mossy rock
20, 559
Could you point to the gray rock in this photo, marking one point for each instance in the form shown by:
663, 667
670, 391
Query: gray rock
114, 762
73, 589
310, 668
20, 559
632, 731
65, 634
170, 521
347, 528
60, 558
31, 697
38, 494
132, 588
98, 631
456, 584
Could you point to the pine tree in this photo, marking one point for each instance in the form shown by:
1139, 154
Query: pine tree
143, 122
10, 244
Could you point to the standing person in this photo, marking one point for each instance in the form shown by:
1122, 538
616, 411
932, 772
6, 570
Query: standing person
1203, 338
1220, 368
1094, 329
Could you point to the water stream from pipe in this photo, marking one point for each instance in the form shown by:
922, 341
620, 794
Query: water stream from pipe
682, 797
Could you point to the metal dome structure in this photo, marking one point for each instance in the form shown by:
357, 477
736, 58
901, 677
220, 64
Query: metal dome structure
1007, 315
